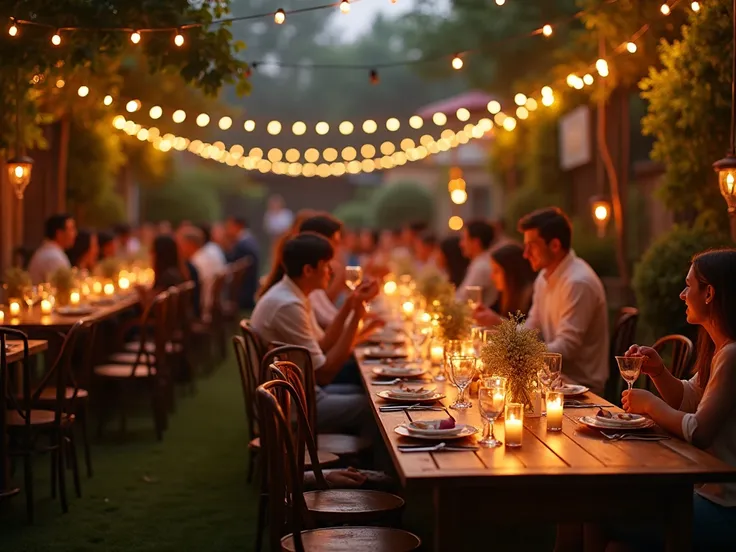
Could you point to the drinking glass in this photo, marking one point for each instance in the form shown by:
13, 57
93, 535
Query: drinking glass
420, 330
462, 369
353, 276
30, 295
491, 400
474, 296
630, 368
551, 376
476, 335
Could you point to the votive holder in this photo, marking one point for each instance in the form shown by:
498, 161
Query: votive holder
555, 404
513, 424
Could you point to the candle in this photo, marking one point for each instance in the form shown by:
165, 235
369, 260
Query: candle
555, 401
85, 289
498, 400
74, 297
96, 287
389, 288
108, 289
14, 308
437, 354
45, 306
514, 424
408, 308
124, 283
2, 316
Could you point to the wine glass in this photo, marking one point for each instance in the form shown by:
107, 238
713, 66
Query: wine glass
474, 296
550, 376
630, 368
462, 370
491, 400
30, 295
476, 334
420, 331
353, 277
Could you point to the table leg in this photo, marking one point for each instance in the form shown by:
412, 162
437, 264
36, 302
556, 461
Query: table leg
679, 519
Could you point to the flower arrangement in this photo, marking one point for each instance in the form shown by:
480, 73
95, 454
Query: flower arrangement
515, 352
16, 281
433, 286
454, 319
109, 268
63, 280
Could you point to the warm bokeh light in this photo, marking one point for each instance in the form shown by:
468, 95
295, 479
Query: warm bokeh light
456, 223
119, 122
665, 9
135, 37
56, 39
346, 128
13, 30
132, 106
329, 155
155, 112
370, 126
311, 155
631, 47
509, 123
547, 30
179, 40
522, 112
520, 99
695, 6
203, 120
457, 62
273, 128
531, 104
588, 79
107, 100
416, 122
279, 17
345, 6
602, 67
298, 128
462, 114
459, 197
349, 153
249, 125
393, 124
439, 119
493, 107
83, 91
601, 212
322, 128
179, 116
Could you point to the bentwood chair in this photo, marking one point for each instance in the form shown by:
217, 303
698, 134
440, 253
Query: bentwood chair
295, 515
678, 350
624, 333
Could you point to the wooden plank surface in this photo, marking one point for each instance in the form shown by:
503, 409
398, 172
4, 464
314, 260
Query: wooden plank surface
575, 452
15, 348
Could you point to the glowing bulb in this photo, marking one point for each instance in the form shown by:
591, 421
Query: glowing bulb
132, 106
179, 40
249, 125
548, 100
393, 124
547, 30
522, 112
456, 223
494, 107
107, 100
390, 287
579, 83
155, 112
345, 6
346, 127
370, 126
279, 17
462, 114
531, 104
322, 128
571, 80
56, 39
665, 9
695, 6
119, 122
631, 47
457, 62
416, 122
179, 116
439, 118
225, 123
273, 128
588, 79
203, 120
520, 99
602, 67
135, 37
83, 91
500, 2
298, 128
13, 30
547, 91
509, 123
459, 197
601, 213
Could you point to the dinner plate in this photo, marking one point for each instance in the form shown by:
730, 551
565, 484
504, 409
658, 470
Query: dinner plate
465, 431
406, 392
376, 352
398, 371
596, 422
74, 311
572, 390
103, 301
386, 395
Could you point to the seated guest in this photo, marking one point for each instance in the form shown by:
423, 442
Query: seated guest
475, 243
283, 314
245, 247
83, 254
128, 244
60, 233
209, 262
190, 241
514, 279
702, 409
108, 246
425, 251
451, 260
166, 264
349, 250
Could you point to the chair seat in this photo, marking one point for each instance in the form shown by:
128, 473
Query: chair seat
49, 394
150, 347
38, 418
354, 539
338, 506
342, 445
323, 457
123, 371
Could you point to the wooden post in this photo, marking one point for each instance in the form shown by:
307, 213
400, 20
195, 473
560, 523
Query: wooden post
64, 131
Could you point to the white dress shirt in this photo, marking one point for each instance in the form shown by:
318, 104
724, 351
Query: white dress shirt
324, 310
210, 262
714, 409
479, 274
47, 259
284, 314
570, 310
278, 222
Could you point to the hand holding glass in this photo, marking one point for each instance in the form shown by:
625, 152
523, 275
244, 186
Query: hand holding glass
630, 368
491, 401
462, 370
353, 277
474, 296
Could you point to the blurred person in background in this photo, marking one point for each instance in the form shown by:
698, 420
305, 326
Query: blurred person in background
514, 278
191, 241
128, 244
60, 233
277, 219
108, 246
476, 241
245, 246
451, 260
209, 262
85, 251
425, 251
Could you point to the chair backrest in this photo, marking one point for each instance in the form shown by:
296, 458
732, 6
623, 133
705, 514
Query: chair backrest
248, 383
284, 444
300, 358
624, 333
7, 400
154, 324
185, 308
218, 285
681, 356
256, 348
237, 273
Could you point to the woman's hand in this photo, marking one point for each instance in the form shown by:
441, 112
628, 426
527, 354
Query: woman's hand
653, 363
367, 291
485, 316
638, 401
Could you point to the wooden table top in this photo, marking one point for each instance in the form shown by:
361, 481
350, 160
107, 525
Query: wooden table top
15, 348
33, 318
556, 458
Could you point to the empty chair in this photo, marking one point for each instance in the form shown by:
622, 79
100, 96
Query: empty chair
624, 333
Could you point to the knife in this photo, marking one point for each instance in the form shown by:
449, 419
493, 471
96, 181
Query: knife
443, 449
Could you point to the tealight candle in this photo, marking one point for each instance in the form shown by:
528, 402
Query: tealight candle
389, 288
408, 308
96, 287
14, 308
74, 297
108, 289
85, 289
123, 283
514, 424
437, 354
2, 316
555, 402
45, 306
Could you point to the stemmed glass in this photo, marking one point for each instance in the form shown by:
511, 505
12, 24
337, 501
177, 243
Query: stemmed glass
630, 368
476, 335
353, 277
491, 400
420, 331
462, 370
474, 296
30, 295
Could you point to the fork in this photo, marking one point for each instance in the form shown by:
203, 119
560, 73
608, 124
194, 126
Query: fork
633, 437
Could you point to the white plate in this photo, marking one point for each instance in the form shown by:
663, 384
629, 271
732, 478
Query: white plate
74, 311
376, 352
571, 390
598, 423
386, 395
465, 431
397, 372
406, 393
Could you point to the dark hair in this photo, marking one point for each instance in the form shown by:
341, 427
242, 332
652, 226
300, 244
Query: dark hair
23, 255
103, 238
457, 264
481, 230
240, 221
81, 247
716, 268
429, 239
324, 225
418, 227
165, 257
54, 224
207, 231
551, 223
122, 229
519, 278
306, 249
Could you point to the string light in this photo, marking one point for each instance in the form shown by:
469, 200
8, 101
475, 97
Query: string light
665, 9
370, 126
500, 2
225, 123
132, 106
135, 37
457, 62
493, 107
155, 112
107, 100
456, 223
179, 116
393, 124
13, 29
298, 128
322, 128
249, 126
345, 6
588, 79
695, 6
179, 39
520, 99
462, 114
631, 47
203, 120
56, 39
547, 30
279, 17
602, 67
416, 122
346, 128
60, 83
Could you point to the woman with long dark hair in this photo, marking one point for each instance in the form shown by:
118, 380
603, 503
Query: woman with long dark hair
702, 409
452, 260
166, 263
83, 254
513, 277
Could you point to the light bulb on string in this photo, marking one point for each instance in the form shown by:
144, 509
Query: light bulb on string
279, 17
665, 9
457, 62
107, 100
83, 91
56, 39
345, 6
520, 99
135, 37
602, 67
588, 79
500, 2
13, 29
631, 47
695, 6
547, 30
179, 39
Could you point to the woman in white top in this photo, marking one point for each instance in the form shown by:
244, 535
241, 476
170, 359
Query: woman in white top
701, 410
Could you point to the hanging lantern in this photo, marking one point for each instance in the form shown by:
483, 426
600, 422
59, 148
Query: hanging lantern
601, 211
726, 169
19, 173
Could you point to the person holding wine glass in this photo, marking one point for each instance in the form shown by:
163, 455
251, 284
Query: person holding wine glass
702, 409
476, 243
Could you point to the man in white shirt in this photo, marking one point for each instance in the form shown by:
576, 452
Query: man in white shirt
284, 314
278, 219
475, 243
209, 261
60, 232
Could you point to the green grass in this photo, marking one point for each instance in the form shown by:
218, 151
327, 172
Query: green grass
186, 493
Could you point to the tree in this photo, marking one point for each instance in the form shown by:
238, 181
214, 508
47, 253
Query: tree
402, 203
689, 112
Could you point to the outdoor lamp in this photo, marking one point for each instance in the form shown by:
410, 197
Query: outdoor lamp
19, 173
601, 210
726, 169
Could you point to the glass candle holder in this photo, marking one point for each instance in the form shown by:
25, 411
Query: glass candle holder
108, 289
96, 287
14, 307
513, 423
75, 297
46, 306
555, 402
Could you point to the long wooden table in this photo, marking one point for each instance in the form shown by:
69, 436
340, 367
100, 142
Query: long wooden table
574, 476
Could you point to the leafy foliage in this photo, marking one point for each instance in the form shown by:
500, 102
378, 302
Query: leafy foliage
660, 276
355, 214
402, 203
15, 281
454, 319
689, 111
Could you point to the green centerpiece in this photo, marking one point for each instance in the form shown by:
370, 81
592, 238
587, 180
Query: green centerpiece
63, 280
454, 319
15, 282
